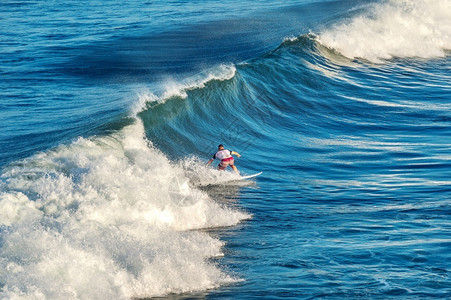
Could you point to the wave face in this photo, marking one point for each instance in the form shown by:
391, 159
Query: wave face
355, 168
343, 106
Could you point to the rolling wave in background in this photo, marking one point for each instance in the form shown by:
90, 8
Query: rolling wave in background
394, 29
344, 107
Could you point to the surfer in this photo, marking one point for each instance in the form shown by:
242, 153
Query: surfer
226, 159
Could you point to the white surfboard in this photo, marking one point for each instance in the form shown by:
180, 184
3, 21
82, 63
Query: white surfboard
248, 176
230, 180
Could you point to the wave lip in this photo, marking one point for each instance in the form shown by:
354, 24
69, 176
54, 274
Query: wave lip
395, 28
171, 88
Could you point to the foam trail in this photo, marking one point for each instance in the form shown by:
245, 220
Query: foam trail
106, 218
395, 28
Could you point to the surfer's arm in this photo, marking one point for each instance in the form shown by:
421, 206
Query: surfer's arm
235, 153
211, 159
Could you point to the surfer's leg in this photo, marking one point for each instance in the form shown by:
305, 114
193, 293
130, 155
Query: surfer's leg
235, 169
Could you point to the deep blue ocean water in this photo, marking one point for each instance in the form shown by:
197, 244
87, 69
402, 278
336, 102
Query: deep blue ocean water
110, 111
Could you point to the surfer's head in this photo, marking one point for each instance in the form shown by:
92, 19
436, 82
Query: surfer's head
220, 147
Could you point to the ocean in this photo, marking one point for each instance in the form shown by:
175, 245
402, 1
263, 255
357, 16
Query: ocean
110, 111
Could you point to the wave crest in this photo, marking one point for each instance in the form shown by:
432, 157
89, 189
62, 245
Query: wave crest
172, 88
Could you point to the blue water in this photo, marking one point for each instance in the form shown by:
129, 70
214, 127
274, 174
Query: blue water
111, 110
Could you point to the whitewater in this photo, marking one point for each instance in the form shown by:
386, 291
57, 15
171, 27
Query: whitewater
110, 114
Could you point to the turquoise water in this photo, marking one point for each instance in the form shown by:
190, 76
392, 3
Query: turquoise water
110, 112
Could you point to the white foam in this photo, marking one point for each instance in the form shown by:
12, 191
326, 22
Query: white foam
394, 28
201, 176
106, 218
